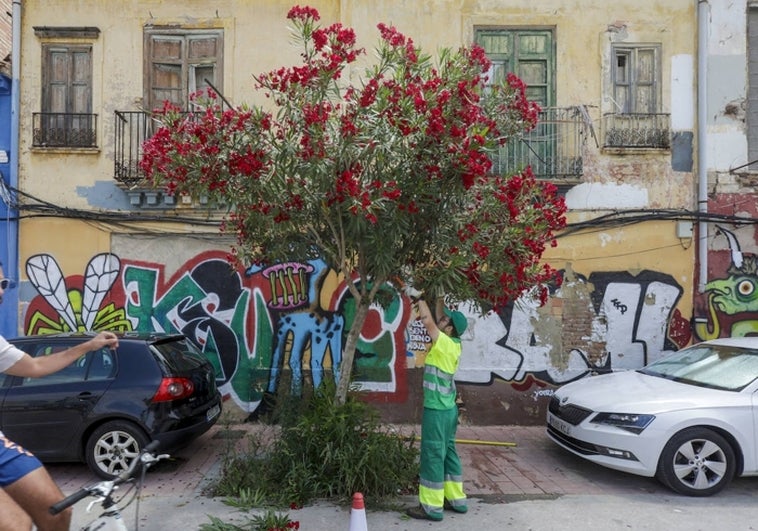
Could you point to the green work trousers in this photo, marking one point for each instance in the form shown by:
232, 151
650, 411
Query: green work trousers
441, 475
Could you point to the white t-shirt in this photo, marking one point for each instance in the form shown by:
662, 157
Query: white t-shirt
9, 354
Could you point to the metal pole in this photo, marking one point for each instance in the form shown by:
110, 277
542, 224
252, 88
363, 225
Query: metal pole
476, 441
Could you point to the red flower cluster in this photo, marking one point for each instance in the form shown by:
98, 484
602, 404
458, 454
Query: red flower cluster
529, 110
333, 49
303, 14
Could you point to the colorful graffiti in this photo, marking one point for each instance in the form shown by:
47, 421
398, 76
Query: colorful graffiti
264, 327
611, 320
731, 303
77, 303
250, 324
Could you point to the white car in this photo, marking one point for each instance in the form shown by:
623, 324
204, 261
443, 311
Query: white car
689, 419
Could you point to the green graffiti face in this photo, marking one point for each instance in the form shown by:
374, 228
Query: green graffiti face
735, 294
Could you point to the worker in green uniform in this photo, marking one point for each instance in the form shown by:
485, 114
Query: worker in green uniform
441, 475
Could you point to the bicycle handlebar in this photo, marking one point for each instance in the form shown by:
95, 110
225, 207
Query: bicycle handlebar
82, 493
69, 501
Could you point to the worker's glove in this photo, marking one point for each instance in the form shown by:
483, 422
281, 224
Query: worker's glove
413, 294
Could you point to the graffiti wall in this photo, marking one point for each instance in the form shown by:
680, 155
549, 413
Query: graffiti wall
729, 305
281, 328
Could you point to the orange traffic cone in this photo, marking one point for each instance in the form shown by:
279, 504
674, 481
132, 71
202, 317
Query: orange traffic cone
358, 514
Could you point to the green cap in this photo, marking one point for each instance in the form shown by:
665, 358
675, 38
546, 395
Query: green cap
458, 319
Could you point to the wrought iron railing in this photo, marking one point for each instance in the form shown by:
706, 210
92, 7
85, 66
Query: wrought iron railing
59, 129
636, 130
132, 128
553, 148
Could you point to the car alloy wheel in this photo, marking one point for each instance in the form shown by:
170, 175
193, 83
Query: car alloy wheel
113, 447
697, 462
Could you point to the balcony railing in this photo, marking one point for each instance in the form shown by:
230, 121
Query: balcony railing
68, 130
553, 148
132, 128
635, 130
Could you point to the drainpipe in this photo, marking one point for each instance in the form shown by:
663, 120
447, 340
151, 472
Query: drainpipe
702, 117
9, 326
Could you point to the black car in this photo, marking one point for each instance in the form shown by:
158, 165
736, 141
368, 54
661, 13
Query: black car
108, 405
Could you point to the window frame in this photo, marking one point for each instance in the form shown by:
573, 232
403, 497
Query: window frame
188, 65
69, 121
511, 61
632, 52
48, 80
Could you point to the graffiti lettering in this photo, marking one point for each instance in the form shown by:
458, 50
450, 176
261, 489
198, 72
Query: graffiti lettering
620, 307
542, 393
252, 324
538, 341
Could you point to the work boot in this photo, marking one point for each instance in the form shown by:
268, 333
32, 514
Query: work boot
460, 509
419, 513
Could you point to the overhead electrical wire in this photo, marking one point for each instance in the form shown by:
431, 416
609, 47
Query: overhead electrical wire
129, 220
624, 218
39, 208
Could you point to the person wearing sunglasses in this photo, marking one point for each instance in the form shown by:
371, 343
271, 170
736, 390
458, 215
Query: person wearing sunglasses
26, 488
441, 474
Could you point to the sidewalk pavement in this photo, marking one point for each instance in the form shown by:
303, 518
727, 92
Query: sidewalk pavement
526, 484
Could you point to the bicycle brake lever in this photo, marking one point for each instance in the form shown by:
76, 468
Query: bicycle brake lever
104, 488
150, 459
96, 501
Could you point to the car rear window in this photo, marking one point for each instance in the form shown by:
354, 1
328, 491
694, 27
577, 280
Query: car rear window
177, 354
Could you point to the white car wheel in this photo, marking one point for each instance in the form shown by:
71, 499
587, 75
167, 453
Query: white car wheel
697, 462
113, 447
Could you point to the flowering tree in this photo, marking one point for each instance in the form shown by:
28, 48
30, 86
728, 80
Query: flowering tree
388, 179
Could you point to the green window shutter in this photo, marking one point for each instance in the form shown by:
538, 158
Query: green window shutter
527, 53
534, 65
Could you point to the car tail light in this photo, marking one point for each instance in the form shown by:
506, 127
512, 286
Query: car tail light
173, 389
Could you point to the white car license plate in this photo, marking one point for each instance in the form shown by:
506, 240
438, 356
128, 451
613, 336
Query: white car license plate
213, 412
558, 424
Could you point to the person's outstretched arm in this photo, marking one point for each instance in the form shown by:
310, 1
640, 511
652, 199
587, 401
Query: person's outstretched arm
426, 317
31, 367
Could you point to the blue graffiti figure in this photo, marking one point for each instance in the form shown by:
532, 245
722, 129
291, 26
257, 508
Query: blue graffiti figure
324, 335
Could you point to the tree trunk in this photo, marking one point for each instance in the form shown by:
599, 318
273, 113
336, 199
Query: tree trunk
348, 352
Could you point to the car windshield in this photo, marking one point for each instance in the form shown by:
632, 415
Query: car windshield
716, 366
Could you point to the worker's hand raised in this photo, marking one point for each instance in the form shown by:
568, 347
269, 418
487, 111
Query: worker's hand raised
412, 293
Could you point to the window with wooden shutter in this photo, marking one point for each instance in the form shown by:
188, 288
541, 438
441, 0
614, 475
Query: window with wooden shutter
636, 79
637, 119
66, 119
180, 63
528, 53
